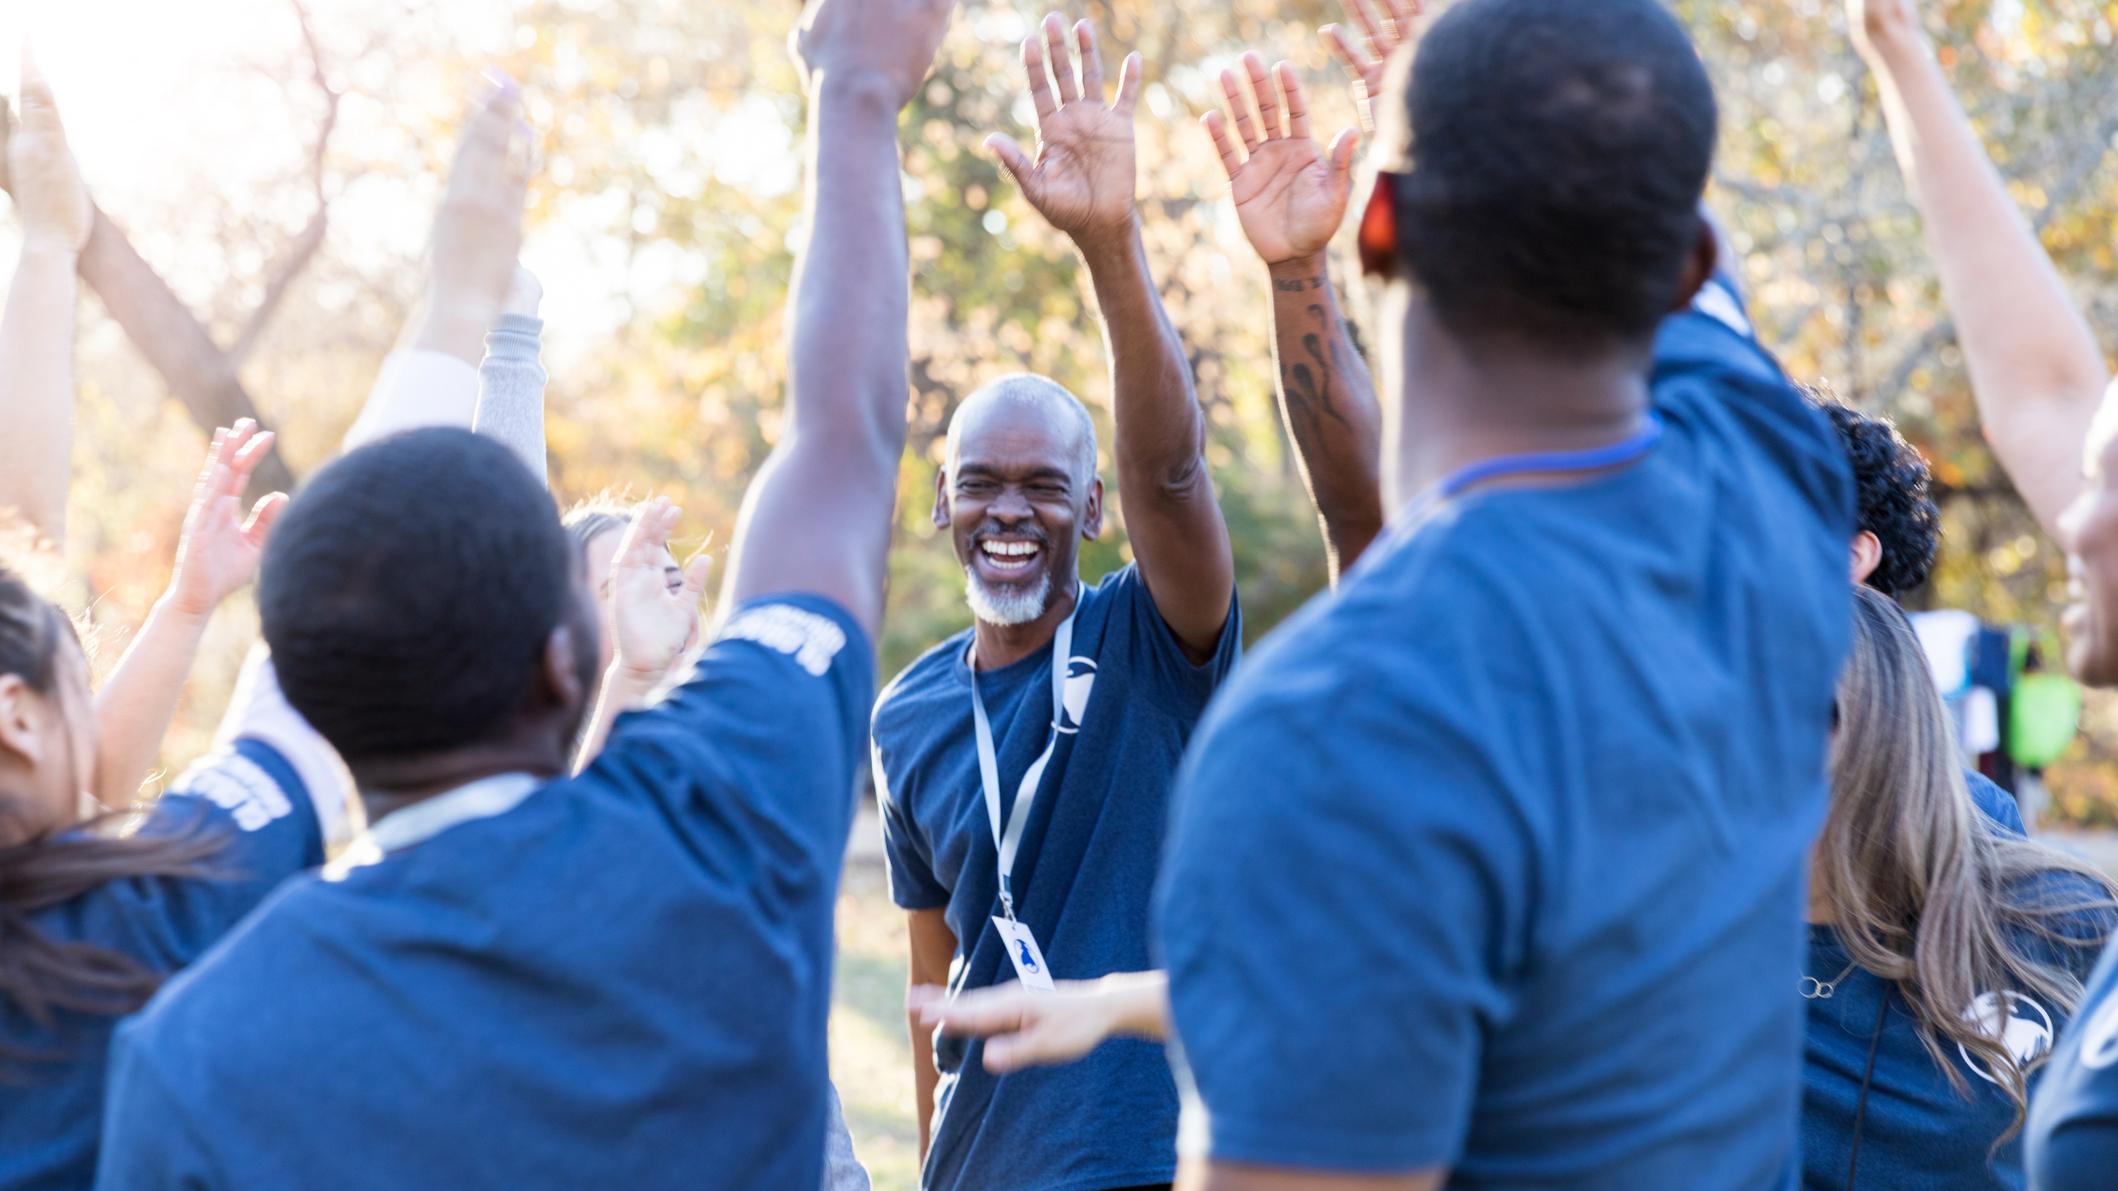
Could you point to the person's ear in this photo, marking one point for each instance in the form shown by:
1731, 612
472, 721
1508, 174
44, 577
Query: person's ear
1867, 555
1378, 231
562, 669
941, 498
22, 713
1092, 515
1699, 266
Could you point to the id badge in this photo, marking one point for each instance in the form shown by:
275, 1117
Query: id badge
1024, 954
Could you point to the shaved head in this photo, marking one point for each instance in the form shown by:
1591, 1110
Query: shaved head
1023, 390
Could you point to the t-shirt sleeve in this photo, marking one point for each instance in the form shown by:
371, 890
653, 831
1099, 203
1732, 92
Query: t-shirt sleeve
1164, 655
907, 858
259, 711
149, 1140
1340, 1030
249, 801
764, 739
2081, 1154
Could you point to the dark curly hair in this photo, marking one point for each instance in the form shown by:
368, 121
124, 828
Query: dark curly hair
1892, 479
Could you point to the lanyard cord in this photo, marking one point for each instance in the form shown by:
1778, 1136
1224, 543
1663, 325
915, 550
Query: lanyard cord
1007, 835
1860, 1111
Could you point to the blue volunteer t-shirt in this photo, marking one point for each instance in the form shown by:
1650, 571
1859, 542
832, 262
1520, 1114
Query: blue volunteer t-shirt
51, 1079
620, 979
1997, 804
1489, 861
2071, 1142
1916, 1132
1083, 878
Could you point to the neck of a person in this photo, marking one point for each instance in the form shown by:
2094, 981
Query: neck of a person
1466, 402
389, 786
994, 646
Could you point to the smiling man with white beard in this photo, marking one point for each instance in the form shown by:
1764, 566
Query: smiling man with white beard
1024, 765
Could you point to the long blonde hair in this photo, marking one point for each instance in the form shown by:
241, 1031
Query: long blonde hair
1925, 892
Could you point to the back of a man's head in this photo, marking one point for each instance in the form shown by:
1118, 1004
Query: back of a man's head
409, 593
1558, 151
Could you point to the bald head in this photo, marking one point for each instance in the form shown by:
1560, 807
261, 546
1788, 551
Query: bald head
1020, 399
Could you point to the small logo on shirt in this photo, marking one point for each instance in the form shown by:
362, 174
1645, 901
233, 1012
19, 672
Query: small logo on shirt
239, 786
811, 640
1080, 680
2099, 1041
2026, 1032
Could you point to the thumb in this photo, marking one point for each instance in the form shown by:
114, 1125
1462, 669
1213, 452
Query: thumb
263, 516
1342, 147
696, 572
40, 112
1012, 158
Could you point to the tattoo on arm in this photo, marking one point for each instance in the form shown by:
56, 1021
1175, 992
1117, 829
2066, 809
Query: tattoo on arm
1309, 384
1297, 285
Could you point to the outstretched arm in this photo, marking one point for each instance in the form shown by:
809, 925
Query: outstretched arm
2036, 372
1083, 181
432, 379
217, 557
1290, 196
1024, 1027
511, 379
37, 330
817, 518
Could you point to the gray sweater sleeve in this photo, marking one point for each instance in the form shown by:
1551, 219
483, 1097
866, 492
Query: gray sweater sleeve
511, 390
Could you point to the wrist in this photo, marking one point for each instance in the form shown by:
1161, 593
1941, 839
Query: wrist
1110, 245
1891, 42
183, 611
49, 248
1312, 270
634, 678
855, 89
455, 326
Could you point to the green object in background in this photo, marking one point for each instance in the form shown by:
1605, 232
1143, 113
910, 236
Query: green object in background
2043, 714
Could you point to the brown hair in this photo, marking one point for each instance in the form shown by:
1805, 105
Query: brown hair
46, 867
1924, 891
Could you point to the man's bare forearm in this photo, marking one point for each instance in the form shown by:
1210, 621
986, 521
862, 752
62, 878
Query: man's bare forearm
1160, 430
1327, 400
37, 387
2036, 371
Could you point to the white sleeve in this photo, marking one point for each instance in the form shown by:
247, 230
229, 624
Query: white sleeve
416, 389
259, 711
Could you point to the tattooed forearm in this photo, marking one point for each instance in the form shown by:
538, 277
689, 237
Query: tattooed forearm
1297, 285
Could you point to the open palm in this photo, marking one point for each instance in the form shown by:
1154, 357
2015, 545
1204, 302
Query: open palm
220, 549
654, 620
1084, 175
1290, 193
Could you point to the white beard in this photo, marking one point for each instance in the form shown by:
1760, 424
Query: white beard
1007, 606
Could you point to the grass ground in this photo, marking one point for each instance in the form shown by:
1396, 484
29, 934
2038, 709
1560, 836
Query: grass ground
871, 1060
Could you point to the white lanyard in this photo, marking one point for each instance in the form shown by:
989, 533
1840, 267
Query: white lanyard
1007, 839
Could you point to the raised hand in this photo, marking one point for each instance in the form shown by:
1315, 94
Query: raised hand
1290, 194
656, 615
1877, 22
1084, 176
1380, 35
885, 44
220, 547
49, 194
478, 230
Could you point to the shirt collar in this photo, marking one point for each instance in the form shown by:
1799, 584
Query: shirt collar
422, 821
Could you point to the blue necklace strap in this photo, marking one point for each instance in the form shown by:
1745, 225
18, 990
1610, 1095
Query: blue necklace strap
1592, 459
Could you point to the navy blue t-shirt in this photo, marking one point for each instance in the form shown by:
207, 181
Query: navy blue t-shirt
1916, 1131
620, 979
1997, 804
1495, 860
2071, 1143
51, 1080
1083, 878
